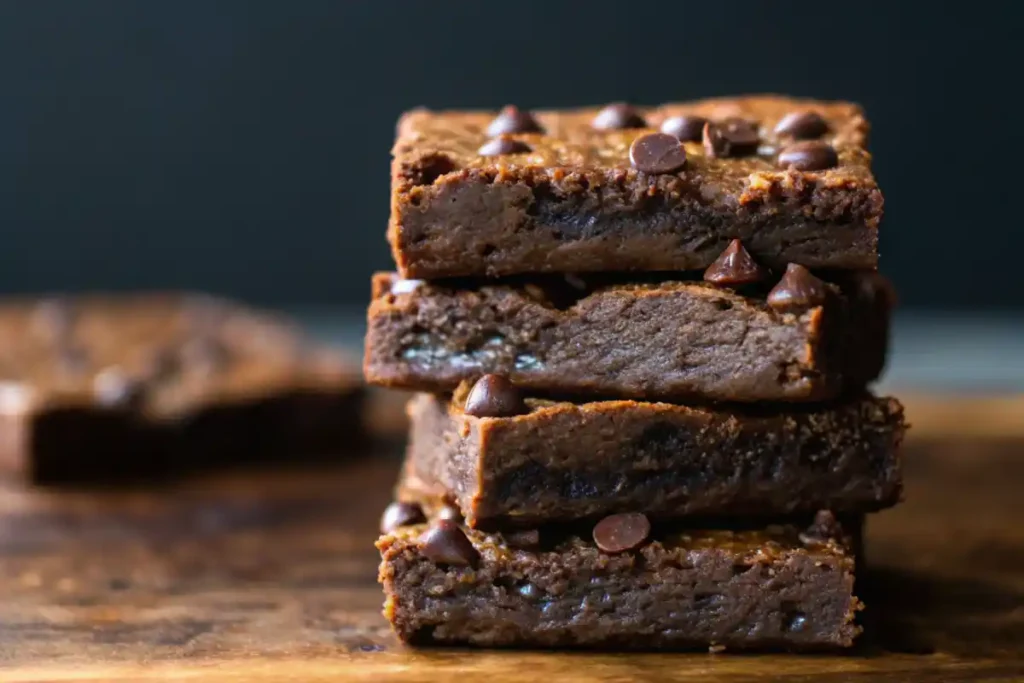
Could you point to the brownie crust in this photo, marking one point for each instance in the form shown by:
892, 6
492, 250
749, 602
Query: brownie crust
661, 340
564, 461
743, 590
573, 203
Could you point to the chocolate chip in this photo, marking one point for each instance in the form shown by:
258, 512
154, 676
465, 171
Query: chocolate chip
512, 119
686, 128
824, 528
809, 155
400, 514
715, 144
797, 288
741, 134
503, 144
657, 153
523, 539
729, 138
494, 396
113, 388
802, 125
622, 532
450, 512
445, 543
617, 116
734, 267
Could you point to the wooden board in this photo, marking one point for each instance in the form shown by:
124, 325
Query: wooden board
271, 577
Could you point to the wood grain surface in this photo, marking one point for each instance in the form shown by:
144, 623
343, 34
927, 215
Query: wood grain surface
270, 576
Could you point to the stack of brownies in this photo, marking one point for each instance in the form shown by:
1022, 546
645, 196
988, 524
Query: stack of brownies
643, 338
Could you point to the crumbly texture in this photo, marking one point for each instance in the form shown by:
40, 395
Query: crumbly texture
103, 387
660, 340
743, 590
575, 204
564, 461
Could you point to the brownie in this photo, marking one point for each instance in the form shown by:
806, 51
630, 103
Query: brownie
560, 461
480, 193
660, 340
630, 586
108, 387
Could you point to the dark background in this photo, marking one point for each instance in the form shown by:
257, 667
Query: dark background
242, 147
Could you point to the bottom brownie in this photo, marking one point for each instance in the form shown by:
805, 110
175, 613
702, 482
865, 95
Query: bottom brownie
781, 587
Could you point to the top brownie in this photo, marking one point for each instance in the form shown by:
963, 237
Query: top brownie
607, 189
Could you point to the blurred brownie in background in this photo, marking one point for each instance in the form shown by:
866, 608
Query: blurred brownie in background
99, 388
